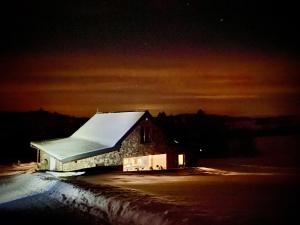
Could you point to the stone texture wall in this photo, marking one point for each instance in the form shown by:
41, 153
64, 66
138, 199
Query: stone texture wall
44, 161
79, 164
131, 146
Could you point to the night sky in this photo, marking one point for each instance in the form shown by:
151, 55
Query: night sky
225, 57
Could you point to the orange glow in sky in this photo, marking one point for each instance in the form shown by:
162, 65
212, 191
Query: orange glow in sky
239, 83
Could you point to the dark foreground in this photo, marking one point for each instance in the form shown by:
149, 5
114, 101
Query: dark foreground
41, 209
229, 195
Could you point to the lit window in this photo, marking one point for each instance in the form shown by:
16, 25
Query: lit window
180, 159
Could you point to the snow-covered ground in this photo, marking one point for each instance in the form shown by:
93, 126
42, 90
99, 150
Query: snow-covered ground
244, 194
30, 199
24, 185
43, 209
224, 194
28, 194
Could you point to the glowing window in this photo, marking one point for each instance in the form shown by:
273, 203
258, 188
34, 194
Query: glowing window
148, 162
180, 159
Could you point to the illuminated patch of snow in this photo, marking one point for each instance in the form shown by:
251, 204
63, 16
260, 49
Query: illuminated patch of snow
212, 171
22, 186
116, 206
65, 174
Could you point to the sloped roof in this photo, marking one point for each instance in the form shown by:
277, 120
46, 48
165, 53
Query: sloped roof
98, 135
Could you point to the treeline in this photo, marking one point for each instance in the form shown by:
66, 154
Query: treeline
209, 135
204, 135
18, 129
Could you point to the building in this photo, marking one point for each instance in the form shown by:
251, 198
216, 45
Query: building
130, 139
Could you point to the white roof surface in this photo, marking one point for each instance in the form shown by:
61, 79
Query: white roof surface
98, 135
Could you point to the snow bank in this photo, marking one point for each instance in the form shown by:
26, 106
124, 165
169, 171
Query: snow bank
115, 205
100, 202
24, 185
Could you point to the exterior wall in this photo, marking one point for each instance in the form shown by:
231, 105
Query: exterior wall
79, 164
59, 165
44, 157
131, 146
44, 161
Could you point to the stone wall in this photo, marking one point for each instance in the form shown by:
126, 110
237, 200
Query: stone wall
131, 146
79, 164
44, 161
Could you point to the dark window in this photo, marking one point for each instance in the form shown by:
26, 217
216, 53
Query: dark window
146, 134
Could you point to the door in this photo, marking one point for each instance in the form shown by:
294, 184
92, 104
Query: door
52, 163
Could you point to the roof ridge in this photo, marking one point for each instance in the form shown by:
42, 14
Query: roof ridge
122, 112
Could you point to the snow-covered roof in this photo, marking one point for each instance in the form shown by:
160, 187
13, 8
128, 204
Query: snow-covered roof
98, 135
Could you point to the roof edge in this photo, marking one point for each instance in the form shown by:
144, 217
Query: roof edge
146, 113
88, 154
39, 147
141, 111
91, 153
